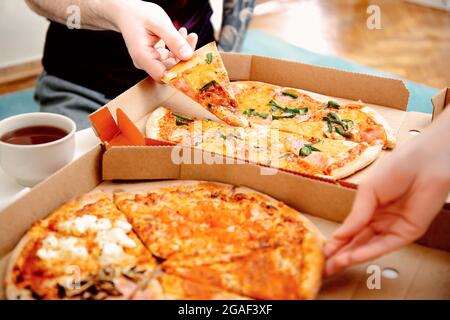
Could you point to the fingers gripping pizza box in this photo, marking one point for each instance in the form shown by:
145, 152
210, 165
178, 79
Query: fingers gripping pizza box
128, 161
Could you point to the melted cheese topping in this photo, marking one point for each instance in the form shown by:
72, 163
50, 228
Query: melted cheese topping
90, 223
200, 75
335, 148
255, 97
308, 129
111, 235
62, 248
112, 243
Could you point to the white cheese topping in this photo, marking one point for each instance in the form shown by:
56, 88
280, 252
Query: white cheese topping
85, 223
122, 224
64, 247
111, 237
112, 242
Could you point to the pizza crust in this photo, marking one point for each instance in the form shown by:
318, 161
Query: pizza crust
312, 266
312, 245
11, 290
152, 126
375, 116
363, 160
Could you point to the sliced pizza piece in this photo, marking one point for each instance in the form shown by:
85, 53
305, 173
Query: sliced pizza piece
46, 265
336, 158
286, 272
355, 122
213, 221
204, 79
89, 234
172, 287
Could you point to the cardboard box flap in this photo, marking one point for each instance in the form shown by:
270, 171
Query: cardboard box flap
138, 98
122, 133
328, 81
440, 101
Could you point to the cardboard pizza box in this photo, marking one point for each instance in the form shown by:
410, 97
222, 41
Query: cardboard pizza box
387, 96
413, 272
126, 158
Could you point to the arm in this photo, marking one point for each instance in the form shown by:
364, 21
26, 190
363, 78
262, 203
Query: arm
95, 14
145, 27
397, 203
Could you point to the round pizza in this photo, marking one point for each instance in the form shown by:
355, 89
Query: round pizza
185, 240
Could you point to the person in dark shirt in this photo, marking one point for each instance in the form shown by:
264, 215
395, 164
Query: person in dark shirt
120, 42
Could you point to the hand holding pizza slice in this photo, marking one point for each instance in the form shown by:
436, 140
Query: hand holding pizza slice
204, 79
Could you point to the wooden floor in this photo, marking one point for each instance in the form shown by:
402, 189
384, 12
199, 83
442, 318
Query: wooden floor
413, 42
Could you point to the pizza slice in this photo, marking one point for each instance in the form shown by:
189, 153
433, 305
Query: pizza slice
286, 272
354, 122
211, 221
86, 249
213, 235
204, 79
334, 159
172, 287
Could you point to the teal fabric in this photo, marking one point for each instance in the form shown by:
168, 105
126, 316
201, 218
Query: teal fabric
261, 43
17, 102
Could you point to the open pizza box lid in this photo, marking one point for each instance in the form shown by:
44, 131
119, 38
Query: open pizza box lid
413, 272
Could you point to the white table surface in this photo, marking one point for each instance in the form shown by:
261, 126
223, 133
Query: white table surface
10, 191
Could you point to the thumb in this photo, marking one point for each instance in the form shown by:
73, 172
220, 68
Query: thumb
176, 43
362, 211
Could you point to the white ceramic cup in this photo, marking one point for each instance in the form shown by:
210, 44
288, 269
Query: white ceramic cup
30, 164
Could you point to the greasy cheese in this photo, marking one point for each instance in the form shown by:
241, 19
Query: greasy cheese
313, 129
200, 75
257, 99
357, 116
334, 148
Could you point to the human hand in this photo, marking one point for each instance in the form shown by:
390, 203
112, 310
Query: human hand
397, 203
147, 30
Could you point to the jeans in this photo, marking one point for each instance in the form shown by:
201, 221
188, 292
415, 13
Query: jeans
57, 95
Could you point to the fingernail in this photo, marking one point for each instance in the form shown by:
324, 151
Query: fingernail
186, 52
